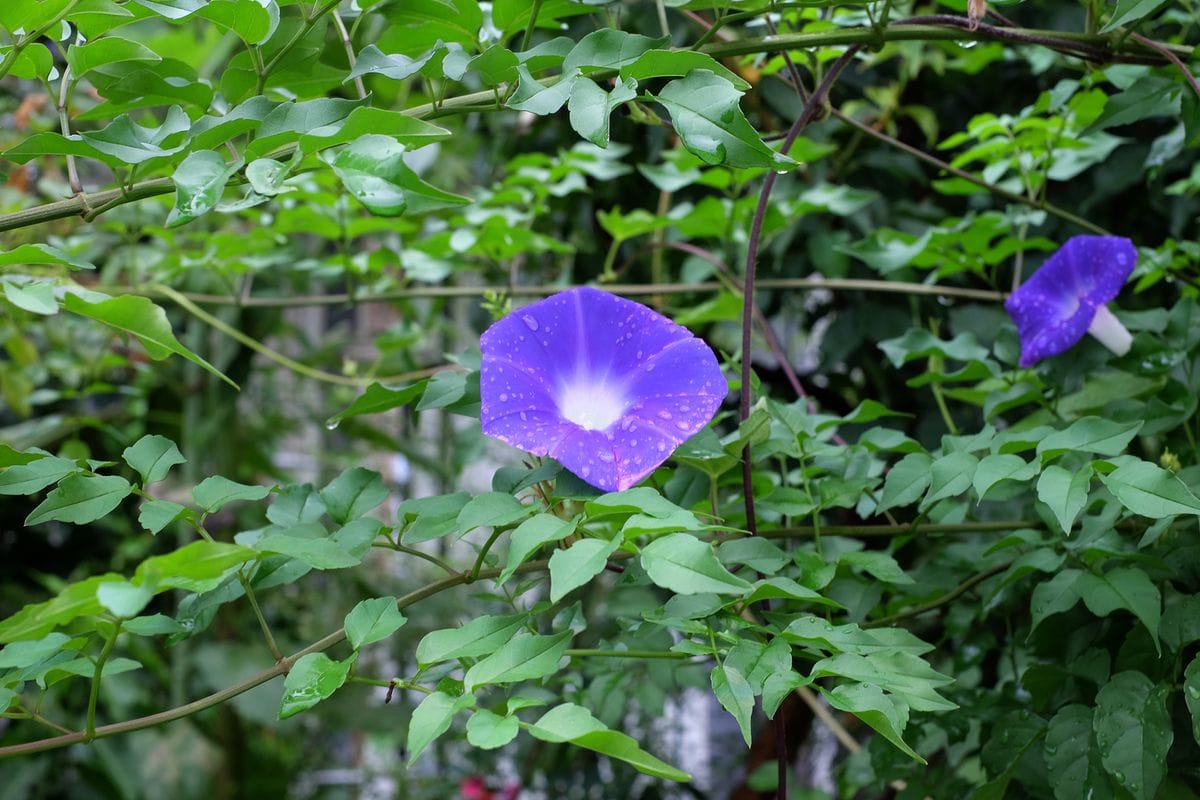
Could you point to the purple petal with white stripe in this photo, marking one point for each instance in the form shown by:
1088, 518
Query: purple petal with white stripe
1054, 308
606, 386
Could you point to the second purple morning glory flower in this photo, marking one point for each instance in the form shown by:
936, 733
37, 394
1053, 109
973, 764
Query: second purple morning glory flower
1068, 296
606, 386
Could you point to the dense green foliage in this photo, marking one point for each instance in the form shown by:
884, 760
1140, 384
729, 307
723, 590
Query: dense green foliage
285, 225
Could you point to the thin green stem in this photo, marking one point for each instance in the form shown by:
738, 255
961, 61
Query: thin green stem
487, 546
22, 713
596, 653
944, 600
430, 557
534, 9
89, 729
262, 621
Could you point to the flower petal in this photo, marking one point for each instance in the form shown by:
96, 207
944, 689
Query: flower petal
587, 377
1054, 308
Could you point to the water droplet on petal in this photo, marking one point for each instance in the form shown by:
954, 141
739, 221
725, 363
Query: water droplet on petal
530, 322
605, 456
503, 397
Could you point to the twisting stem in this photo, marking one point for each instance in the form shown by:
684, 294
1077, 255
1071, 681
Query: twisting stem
487, 546
809, 113
89, 729
430, 557
1169, 56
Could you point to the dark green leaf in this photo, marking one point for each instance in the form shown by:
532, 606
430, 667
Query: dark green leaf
152, 457
735, 696
685, 565
215, 492
353, 493
313, 678
1133, 731
578, 564
522, 658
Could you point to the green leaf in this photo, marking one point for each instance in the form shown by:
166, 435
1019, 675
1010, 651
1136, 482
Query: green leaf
1089, 435
491, 510
704, 110
641, 500
1123, 587
607, 49
30, 254
36, 297
313, 678
1054, 596
296, 504
522, 658
431, 718
872, 706
428, 518
878, 565
1072, 757
81, 499
537, 98
820, 634
26, 654
143, 319
578, 564
1128, 12
319, 552
590, 107
404, 128
397, 66
571, 723
154, 515
734, 694
677, 64
83, 58
1152, 96
125, 142
683, 564
376, 399
36, 475
199, 182
531, 534
373, 620
998, 467
1134, 732
197, 567
152, 457
905, 482
252, 20
353, 493
479, 636
1191, 694
900, 673
34, 62
372, 169
266, 176
487, 730
1065, 492
213, 493
1150, 490
949, 476
38, 619
124, 599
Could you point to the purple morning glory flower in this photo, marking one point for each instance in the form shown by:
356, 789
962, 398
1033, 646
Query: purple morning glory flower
604, 385
1068, 295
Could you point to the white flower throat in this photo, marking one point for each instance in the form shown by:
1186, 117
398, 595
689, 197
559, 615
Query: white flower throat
591, 406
